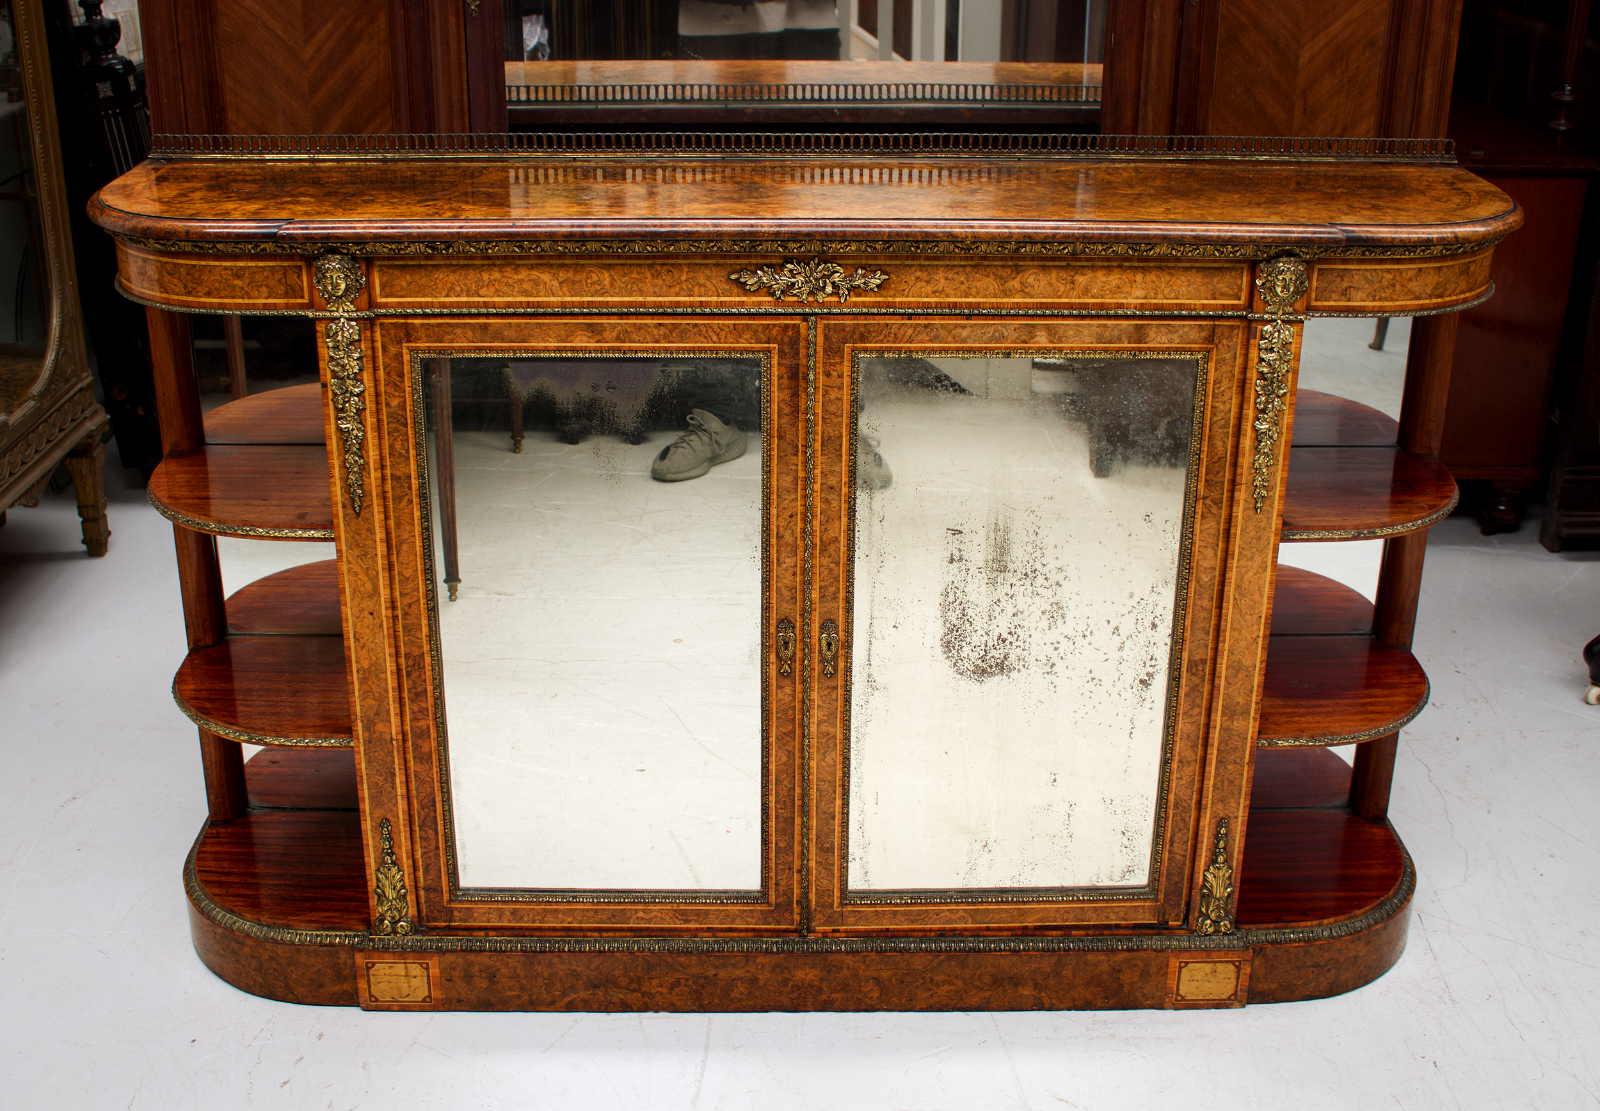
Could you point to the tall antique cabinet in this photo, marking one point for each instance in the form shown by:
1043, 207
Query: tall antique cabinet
972, 682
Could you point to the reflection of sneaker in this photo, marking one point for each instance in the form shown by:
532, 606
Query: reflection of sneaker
691, 455
872, 473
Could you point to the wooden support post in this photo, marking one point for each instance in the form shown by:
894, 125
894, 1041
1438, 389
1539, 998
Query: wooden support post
233, 332
199, 574
1433, 343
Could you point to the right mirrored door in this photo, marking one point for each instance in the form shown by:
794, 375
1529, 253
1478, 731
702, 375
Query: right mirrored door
1018, 548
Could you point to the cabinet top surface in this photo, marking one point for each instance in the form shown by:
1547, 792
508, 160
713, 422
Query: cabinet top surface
245, 202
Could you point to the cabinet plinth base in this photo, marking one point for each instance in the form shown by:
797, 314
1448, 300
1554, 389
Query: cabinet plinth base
345, 967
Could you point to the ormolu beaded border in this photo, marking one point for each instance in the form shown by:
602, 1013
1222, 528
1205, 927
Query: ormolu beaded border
248, 737
216, 528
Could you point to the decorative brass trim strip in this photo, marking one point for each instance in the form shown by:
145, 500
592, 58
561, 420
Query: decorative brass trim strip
247, 737
939, 246
1291, 536
1216, 890
1281, 282
340, 279
1352, 738
394, 912
806, 280
1378, 914
216, 528
754, 144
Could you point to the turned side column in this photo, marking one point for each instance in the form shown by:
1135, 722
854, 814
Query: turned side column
199, 573
1433, 342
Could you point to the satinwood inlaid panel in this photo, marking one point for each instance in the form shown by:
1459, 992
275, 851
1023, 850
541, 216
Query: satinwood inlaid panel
217, 284
909, 283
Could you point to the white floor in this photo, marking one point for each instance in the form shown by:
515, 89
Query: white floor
104, 1005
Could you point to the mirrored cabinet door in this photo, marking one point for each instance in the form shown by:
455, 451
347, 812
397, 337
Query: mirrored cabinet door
607, 525
1004, 643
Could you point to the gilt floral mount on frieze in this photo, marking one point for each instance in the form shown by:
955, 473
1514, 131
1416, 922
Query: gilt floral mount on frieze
806, 281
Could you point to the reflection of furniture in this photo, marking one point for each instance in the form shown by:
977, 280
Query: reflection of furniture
1274, 876
47, 408
1506, 355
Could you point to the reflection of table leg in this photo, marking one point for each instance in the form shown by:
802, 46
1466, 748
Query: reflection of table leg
87, 466
445, 467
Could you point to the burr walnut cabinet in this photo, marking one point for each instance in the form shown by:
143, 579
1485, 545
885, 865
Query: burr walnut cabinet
965, 678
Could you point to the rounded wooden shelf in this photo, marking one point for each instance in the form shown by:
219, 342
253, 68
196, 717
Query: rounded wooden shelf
1327, 420
279, 908
306, 779
299, 601
291, 415
1337, 690
1299, 779
294, 869
274, 492
1305, 603
1363, 493
283, 690
1302, 867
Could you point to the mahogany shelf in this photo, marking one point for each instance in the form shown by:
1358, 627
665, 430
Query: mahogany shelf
1362, 493
300, 601
291, 415
269, 690
303, 779
1299, 779
303, 869
1327, 420
1302, 867
1336, 690
267, 492
299, 869
1305, 603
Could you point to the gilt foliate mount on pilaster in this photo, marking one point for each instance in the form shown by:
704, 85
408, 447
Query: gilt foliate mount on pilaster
1281, 281
340, 280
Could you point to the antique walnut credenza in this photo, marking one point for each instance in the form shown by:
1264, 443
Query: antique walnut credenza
974, 683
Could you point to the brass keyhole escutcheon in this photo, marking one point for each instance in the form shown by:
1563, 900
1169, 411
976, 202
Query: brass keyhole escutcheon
828, 641
786, 641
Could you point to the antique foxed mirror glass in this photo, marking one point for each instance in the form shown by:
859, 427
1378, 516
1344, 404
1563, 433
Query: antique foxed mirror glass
597, 559
1020, 541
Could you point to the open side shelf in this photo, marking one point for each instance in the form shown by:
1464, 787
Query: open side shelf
1305, 867
264, 492
1327, 420
1336, 690
1305, 603
299, 601
269, 690
310, 779
1328, 682
291, 415
1299, 779
1363, 493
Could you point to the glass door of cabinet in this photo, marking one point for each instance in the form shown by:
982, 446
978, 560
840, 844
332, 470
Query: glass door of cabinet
1008, 643
607, 524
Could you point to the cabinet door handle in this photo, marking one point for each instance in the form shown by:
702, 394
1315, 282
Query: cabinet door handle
786, 647
828, 642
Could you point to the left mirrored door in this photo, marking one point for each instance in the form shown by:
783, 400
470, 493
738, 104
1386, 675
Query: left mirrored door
607, 533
